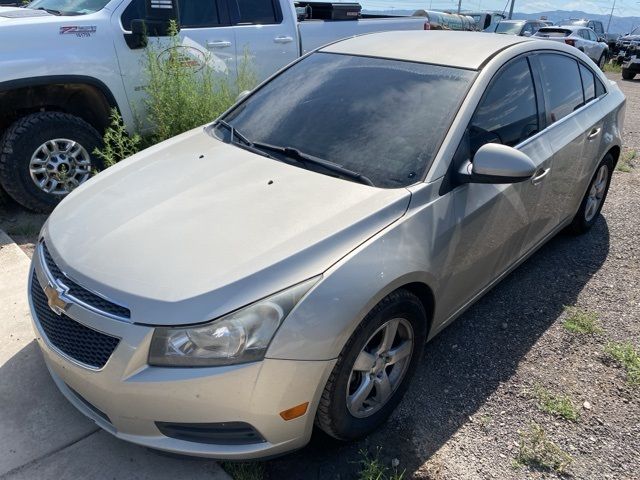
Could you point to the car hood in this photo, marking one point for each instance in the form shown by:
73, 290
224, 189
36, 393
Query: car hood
194, 228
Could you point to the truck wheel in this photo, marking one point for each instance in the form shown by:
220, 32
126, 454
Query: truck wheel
44, 156
627, 74
374, 368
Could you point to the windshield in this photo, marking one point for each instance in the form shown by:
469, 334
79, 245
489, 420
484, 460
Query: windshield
511, 28
69, 7
383, 119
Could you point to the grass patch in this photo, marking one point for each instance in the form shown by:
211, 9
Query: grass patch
245, 470
558, 405
625, 162
371, 468
537, 451
628, 357
581, 321
612, 67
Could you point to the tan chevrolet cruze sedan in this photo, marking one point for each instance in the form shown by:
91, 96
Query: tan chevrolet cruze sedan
221, 293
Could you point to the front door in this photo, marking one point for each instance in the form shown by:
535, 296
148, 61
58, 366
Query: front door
498, 222
205, 36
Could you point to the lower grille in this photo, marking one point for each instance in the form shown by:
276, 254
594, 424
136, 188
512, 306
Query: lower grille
226, 433
81, 343
90, 406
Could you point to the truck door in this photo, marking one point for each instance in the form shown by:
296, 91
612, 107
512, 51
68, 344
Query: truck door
206, 35
266, 30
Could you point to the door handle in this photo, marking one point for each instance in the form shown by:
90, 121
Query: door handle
594, 133
283, 39
218, 44
540, 176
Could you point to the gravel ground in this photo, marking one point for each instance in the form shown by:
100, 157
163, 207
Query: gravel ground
475, 390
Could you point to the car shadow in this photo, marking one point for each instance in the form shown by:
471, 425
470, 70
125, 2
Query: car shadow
464, 364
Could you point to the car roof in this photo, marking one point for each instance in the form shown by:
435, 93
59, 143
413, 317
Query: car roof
468, 50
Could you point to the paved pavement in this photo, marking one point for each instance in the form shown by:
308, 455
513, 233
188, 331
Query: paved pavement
41, 435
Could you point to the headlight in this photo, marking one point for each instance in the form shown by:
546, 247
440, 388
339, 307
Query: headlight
240, 337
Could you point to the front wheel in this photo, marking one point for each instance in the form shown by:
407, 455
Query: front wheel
374, 368
627, 74
44, 156
594, 197
602, 61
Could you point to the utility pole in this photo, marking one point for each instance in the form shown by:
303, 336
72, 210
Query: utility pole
511, 9
459, 6
611, 15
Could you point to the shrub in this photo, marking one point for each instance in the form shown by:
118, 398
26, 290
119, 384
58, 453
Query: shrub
537, 451
183, 91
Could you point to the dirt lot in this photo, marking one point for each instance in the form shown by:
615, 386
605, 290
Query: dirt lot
511, 390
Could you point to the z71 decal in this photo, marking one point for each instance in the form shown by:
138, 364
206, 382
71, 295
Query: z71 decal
79, 31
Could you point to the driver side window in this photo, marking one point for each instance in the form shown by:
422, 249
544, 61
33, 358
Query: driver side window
508, 112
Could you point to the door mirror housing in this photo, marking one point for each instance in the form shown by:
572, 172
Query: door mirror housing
497, 164
157, 22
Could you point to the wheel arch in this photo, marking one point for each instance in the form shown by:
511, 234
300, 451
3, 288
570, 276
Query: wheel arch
615, 152
83, 96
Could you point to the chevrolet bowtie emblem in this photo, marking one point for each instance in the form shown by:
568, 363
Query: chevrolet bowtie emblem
54, 299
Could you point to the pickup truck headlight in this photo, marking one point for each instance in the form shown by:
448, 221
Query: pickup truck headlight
239, 337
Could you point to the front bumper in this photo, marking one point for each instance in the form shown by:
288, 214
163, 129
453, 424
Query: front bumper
632, 64
127, 397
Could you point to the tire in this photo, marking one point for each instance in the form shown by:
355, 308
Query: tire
602, 61
21, 143
334, 416
628, 74
585, 219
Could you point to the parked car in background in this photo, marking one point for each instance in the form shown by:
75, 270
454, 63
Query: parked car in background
53, 112
627, 42
584, 39
523, 28
598, 27
631, 63
221, 293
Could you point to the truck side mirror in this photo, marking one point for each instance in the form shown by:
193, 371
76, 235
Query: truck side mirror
158, 15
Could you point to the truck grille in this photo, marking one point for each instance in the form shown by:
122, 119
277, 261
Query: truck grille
81, 343
76, 291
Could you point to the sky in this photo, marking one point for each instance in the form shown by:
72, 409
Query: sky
623, 8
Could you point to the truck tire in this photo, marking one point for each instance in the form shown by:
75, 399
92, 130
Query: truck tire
44, 156
627, 74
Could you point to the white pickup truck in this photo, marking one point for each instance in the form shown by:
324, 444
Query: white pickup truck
66, 63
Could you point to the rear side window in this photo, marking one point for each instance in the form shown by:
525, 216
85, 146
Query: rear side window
260, 12
508, 112
562, 85
588, 83
198, 13
600, 89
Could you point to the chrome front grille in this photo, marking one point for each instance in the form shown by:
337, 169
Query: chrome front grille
82, 295
83, 344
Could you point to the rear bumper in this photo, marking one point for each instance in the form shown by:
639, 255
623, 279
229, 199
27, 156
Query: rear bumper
129, 398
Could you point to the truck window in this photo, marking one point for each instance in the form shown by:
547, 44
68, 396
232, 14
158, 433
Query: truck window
193, 13
255, 12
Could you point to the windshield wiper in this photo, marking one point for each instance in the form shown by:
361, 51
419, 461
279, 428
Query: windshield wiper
50, 10
299, 156
245, 142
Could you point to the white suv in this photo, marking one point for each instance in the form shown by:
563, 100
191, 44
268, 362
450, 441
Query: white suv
584, 39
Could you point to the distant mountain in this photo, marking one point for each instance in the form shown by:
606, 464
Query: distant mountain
618, 24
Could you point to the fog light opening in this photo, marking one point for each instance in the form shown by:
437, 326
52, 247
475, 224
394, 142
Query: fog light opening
295, 412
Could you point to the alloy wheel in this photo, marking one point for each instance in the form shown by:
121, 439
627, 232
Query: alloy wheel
380, 367
596, 193
60, 165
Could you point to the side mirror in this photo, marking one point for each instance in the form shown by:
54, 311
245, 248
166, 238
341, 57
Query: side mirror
242, 94
158, 17
497, 164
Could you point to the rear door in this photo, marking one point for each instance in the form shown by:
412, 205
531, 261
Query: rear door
571, 121
266, 35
